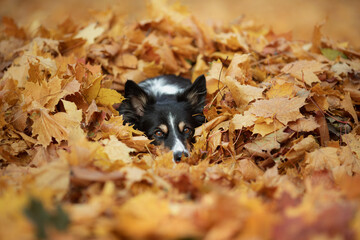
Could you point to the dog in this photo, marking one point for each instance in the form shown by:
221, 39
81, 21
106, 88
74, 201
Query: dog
167, 109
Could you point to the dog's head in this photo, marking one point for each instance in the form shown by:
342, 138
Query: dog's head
169, 122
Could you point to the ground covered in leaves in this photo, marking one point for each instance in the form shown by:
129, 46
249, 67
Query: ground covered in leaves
278, 158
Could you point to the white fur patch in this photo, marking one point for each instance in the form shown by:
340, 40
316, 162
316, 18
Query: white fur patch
178, 145
160, 86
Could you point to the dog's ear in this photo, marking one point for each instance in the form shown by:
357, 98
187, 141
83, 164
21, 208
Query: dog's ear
136, 96
196, 93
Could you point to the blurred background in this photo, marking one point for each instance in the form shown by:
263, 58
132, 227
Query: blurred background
342, 17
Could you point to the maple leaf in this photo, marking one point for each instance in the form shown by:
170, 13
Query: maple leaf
281, 90
349, 107
263, 146
92, 91
266, 126
245, 120
150, 69
126, 60
168, 58
340, 68
56, 126
232, 40
239, 67
243, 94
11, 29
320, 159
90, 33
304, 70
304, 124
48, 94
283, 109
299, 148
19, 70
214, 77
46, 126
249, 169
352, 140
108, 97
201, 68
349, 162
116, 150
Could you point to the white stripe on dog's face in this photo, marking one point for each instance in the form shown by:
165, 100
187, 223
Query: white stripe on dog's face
178, 145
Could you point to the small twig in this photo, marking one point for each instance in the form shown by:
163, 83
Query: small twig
222, 66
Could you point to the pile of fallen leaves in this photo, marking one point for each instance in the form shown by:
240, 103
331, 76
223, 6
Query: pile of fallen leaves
278, 158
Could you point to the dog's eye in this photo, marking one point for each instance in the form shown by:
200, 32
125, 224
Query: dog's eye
159, 133
187, 130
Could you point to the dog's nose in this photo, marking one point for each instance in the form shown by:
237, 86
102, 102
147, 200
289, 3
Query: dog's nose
178, 155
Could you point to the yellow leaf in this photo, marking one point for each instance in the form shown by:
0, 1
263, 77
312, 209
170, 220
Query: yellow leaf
58, 125
281, 90
243, 94
142, 215
117, 150
165, 161
74, 114
200, 68
264, 128
151, 69
46, 126
213, 83
108, 97
93, 91
234, 41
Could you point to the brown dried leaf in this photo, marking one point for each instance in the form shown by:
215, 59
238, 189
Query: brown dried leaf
304, 70
347, 104
304, 124
283, 109
320, 159
264, 145
243, 94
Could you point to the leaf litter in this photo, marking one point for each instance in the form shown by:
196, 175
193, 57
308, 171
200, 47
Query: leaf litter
278, 157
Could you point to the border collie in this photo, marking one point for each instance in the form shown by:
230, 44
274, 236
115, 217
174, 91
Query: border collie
167, 109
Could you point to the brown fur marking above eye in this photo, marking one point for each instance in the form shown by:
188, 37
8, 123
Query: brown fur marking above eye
163, 128
181, 126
